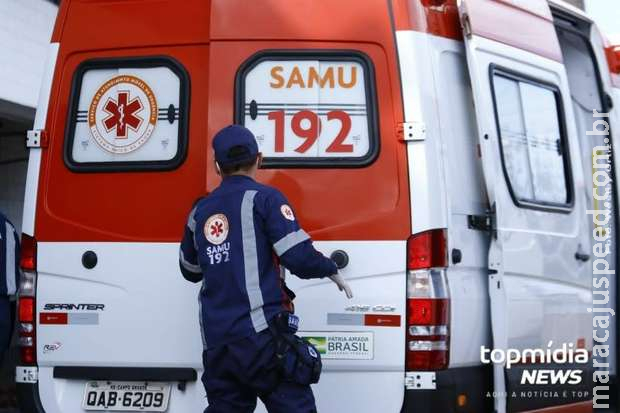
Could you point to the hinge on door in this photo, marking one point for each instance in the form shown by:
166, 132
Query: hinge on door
411, 131
36, 138
484, 222
466, 24
479, 222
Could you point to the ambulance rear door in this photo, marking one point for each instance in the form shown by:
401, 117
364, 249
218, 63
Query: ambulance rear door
539, 275
320, 99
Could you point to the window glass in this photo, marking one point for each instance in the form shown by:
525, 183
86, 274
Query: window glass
513, 136
531, 139
541, 118
309, 110
127, 115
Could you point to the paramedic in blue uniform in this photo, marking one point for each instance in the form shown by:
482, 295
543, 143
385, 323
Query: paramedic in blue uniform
235, 240
9, 280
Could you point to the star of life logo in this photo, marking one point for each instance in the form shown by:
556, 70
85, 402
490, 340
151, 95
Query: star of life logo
216, 229
287, 212
122, 114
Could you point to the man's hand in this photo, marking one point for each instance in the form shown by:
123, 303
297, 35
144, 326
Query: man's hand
342, 284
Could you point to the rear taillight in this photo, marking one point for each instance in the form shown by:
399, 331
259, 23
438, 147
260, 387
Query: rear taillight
427, 250
28, 258
428, 302
27, 305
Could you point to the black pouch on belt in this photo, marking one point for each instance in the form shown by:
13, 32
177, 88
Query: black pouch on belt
299, 361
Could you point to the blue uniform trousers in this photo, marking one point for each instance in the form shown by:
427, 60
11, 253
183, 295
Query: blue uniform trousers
239, 372
7, 313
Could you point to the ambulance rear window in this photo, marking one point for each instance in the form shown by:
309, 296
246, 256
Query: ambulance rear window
127, 114
309, 109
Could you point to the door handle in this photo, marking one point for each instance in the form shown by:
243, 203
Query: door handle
582, 256
89, 260
340, 258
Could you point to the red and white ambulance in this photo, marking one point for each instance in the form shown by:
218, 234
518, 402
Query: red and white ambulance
441, 148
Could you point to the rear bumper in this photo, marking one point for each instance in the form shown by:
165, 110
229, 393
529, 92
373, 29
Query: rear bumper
475, 383
30, 400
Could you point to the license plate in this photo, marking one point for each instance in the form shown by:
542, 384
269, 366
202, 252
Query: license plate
126, 396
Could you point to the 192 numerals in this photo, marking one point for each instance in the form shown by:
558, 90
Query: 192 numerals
312, 131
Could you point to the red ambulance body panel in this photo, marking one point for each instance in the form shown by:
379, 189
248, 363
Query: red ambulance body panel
613, 58
155, 204
522, 24
437, 17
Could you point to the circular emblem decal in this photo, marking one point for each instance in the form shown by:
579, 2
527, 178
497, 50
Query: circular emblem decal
216, 229
122, 114
312, 352
287, 212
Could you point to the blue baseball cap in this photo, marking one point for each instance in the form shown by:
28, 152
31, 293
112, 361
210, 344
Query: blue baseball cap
234, 136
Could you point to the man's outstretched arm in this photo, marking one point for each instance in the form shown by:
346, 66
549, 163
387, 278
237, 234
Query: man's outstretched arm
291, 243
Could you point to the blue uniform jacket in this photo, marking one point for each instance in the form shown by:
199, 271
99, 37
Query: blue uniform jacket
9, 258
234, 241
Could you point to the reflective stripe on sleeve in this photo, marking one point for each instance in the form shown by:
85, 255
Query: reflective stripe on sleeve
200, 315
191, 221
11, 288
191, 224
195, 268
250, 260
289, 241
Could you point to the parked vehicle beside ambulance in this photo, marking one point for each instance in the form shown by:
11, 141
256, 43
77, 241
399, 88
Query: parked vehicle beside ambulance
437, 151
